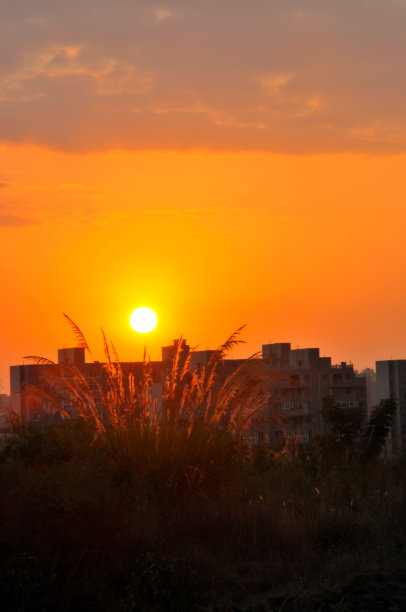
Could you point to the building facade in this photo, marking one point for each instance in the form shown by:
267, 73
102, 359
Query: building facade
299, 380
391, 383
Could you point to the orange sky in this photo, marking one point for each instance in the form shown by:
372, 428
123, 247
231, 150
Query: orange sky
222, 162
307, 249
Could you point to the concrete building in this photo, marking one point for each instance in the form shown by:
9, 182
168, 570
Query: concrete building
370, 381
391, 383
299, 380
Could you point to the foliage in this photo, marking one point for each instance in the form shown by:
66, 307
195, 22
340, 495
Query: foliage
343, 423
191, 394
166, 584
187, 441
75, 534
378, 428
47, 443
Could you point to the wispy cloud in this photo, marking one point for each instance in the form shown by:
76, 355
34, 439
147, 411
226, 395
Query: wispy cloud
14, 214
74, 188
273, 82
7, 220
208, 75
37, 72
162, 13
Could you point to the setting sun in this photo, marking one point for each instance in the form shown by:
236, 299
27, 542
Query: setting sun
143, 320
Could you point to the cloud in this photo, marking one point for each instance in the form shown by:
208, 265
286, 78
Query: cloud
4, 184
275, 81
73, 187
14, 221
163, 13
14, 216
278, 76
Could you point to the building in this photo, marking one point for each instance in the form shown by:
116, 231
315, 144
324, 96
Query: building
391, 383
370, 380
299, 380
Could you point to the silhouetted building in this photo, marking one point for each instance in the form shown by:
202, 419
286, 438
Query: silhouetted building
391, 383
72, 356
370, 381
299, 380
169, 352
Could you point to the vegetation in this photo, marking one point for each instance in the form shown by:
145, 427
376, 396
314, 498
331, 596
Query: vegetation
378, 428
127, 506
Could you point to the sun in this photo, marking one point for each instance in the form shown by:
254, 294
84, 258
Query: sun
143, 320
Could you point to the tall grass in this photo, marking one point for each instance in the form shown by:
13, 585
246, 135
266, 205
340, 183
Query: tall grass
82, 529
197, 431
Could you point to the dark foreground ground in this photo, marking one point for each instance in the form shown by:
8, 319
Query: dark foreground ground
376, 592
85, 529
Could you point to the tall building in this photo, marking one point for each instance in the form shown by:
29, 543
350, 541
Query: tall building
299, 380
370, 380
391, 383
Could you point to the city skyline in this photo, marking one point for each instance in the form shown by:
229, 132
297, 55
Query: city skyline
143, 342
237, 353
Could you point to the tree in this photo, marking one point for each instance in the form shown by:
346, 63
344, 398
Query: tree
344, 424
379, 425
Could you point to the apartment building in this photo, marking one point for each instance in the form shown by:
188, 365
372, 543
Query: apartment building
391, 383
299, 379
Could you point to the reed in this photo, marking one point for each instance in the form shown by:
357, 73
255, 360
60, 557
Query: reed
196, 432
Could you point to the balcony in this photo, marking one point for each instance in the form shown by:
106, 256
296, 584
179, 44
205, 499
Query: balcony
300, 435
291, 409
347, 403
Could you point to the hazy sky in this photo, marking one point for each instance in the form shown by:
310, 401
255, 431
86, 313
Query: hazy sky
224, 162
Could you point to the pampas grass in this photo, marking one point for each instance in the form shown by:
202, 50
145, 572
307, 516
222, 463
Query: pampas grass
196, 433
